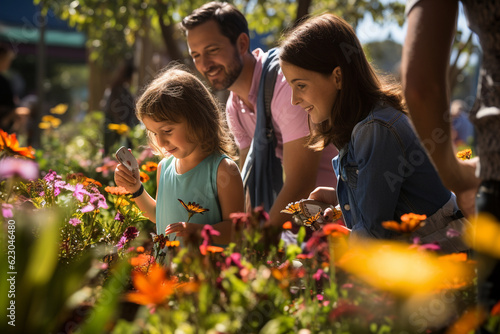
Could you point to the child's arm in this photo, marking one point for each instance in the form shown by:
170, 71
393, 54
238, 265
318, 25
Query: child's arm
131, 182
231, 199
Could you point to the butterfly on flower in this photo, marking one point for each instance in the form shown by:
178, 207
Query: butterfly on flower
292, 208
464, 154
311, 220
192, 208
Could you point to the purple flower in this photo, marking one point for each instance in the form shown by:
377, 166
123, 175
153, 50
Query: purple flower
452, 233
119, 217
7, 210
50, 176
25, 169
98, 200
75, 221
87, 208
130, 234
80, 192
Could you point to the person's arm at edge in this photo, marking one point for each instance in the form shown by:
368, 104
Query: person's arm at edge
425, 62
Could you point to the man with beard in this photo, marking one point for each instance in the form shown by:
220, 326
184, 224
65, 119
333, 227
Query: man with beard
219, 44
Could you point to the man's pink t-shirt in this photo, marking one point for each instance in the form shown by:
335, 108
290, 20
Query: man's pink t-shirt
289, 121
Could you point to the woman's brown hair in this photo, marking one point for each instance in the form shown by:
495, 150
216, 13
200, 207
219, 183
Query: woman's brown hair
177, 95
321, 44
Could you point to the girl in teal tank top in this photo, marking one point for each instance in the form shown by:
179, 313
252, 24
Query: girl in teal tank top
185, 125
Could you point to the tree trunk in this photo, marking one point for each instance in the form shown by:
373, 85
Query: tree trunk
302, 9
168, 32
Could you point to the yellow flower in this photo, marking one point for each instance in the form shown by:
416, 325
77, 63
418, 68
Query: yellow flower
121, 129
59, 109
44, 125
483, 235
392, 266
465, 154
49, 121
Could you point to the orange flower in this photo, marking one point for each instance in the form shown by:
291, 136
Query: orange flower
139, 249
144, 177
287, 225
172, 244
410, 222
188, 287
141, 260
214, 249
495, 311
9, 143
470, 320
150, 166
464, 154
88, 181
456, 257
117, 191
292, 208
152, 289
192, 208
336, 230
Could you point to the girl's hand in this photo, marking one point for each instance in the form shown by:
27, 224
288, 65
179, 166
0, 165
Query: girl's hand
127, 179
183, 229
325, 195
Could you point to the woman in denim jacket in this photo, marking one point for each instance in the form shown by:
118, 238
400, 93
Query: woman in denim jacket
382, 169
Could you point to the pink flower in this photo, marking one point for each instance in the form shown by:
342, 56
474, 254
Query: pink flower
7, 210
25, 169
80, 192
319, 275
75, 221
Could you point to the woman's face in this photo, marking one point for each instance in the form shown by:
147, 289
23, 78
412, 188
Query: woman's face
313, 91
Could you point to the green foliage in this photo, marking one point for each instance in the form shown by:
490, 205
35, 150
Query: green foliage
113, 26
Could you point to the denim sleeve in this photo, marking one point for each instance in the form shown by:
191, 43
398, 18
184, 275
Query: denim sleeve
379, 158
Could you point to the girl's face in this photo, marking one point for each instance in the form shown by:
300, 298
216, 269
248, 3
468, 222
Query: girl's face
313, 91
173, 138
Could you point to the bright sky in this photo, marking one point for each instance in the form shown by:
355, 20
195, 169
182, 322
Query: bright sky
368, 31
